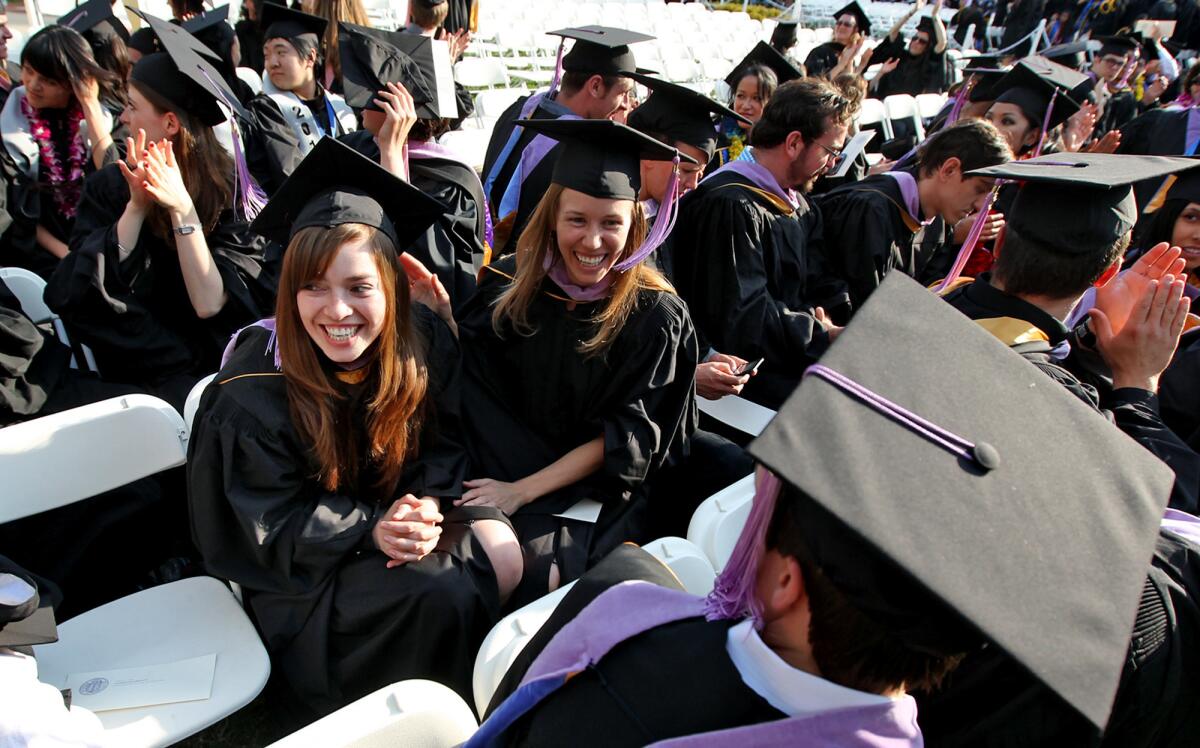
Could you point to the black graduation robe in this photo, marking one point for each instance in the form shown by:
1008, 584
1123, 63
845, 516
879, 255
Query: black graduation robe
1178, 394
751, 271
823, 58
990, 701
1158, 132
916, 74
1120, 109
134, 311
1134, 411
272, 148
530, 399
453, 247
337, 622
869, 232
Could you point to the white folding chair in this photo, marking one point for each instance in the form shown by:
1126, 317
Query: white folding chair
192, 404
494, 102
28, 287
409, 713
904, 107
251, 79
680, 69
141, 435
481, 72
740, 413
873, 112
718, 521
929, 104
469, 144
687, 561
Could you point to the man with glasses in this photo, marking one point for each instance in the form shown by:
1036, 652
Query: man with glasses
1116, 99
743, 253
918, 68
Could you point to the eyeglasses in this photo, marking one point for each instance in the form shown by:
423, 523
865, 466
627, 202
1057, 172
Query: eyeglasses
841, 22
835, 155
920, 40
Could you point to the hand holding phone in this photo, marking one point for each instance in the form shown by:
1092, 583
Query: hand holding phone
750, 368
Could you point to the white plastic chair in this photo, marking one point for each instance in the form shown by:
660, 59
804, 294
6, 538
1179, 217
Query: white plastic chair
192, 404
687, 561
493, 102
409, 713
929, 104
469, 144
251, 79
718, 521
28, 287
679, 70
874, 112
108, 444
904, 107
740, 413
481, 72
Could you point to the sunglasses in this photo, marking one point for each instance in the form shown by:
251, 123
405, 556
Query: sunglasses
848, 24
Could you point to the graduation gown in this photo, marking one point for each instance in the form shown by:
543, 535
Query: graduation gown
134, 311
823, 58
916, 74
287, 127
1040, 338
750, 268
869, 232
1158, 132
453, 247
337, 622
530, 399
1178, 394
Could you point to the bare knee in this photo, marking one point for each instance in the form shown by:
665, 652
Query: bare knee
504, 551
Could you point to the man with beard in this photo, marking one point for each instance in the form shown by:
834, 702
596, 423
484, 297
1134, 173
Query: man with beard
742, 252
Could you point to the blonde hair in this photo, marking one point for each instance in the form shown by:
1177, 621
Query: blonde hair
536, 241
350, 11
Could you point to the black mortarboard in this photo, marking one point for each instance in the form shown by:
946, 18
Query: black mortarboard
1032, 83
206, 20
1077, 202
1116, 45
601, 158
1071, 54
764, 54
26, 608
145, 41
182, 77
1186, 187
680, 114
336, 184
988, 72
372, 58
283, 22
211, 29
926, 24
860, 17
1042, 552
601, 50
783, 36
90, 16
165, 30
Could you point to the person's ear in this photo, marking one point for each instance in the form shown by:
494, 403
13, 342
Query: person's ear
171, 124
596, 87
781, 584
794, 143
1109, 273
950, 168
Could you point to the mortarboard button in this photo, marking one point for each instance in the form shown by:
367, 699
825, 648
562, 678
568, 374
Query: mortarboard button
986, 455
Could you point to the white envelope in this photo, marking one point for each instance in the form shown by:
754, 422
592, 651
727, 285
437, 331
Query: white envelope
851, 150
584, 510
125, 688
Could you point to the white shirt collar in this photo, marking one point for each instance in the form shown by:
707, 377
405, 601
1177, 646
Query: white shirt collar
788, 689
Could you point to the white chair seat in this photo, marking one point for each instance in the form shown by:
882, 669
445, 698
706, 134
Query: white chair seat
251, 79
687, 561
409, 713
164, 624
744, 415
192, 404
718, 521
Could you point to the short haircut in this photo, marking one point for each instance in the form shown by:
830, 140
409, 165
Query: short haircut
573, 82
850, 648
808, 106
975, 142
429, 18
1027, 267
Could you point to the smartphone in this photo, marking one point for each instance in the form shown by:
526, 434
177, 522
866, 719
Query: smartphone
749, 368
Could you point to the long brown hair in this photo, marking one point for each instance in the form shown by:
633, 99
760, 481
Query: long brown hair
319, 410
206, 166
350, 11
538, 239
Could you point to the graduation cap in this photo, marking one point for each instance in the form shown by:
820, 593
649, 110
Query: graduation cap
1116, 45
861, 19
1072, 54
145, 41
602, 158
336, 184
783, 36
89, 17
372, 58
987, 71
1035, 82
680, 114
939, 509
180, 36
1186, 187
282, 22
1076, 202
926, 25
206, 20
184, 78
601, 50
764, 54
211, 29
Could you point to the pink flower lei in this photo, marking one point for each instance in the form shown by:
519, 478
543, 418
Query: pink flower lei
65, 187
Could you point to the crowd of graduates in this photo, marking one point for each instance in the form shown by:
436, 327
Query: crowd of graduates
440, 394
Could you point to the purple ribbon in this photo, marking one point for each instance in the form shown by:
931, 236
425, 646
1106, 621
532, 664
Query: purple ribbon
762, 178
964, 252
663, 223
960, 101
272, 342
558, 68
429, 149
246, 192
1045, 124
733, 591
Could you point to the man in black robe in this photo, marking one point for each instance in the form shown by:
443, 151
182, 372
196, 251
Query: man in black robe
744, 253
598, 80
852, 24
1118, 105
915, 68
903, 220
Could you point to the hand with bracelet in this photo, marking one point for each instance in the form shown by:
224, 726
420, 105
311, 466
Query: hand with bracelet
164, 184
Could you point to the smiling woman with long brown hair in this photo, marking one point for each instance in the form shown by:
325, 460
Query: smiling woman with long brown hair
580, 360
324, 458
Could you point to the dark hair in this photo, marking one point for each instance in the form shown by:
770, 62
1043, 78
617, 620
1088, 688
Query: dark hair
63, 55
1189, 78
180, 8
1159, 225
1027, 267
808, 106
112, 54
573, 82
783, 37
854, 88
975, 142
850, 648
429, 129
304, 44
429, 18
768, 81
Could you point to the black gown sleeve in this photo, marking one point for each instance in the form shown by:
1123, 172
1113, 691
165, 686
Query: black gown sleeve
272, 152
858, 241
443, 454
1135, 412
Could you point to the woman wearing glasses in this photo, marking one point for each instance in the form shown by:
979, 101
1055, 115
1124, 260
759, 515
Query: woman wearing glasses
837, 55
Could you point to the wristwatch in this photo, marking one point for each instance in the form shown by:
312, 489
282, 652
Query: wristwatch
185, 229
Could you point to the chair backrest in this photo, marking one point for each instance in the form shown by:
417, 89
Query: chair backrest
477, 72
471, 145
251, 79
714, 519
411, 712
929, 104
506, 640
686, 561
192, 404
59, 459
904, 107
493, 102
873, 112
28, 288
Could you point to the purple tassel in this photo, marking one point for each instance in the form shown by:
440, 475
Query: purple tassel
733, 593
960, 101
247, 195
662, 225
968, 246
558, 69
1045, 124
